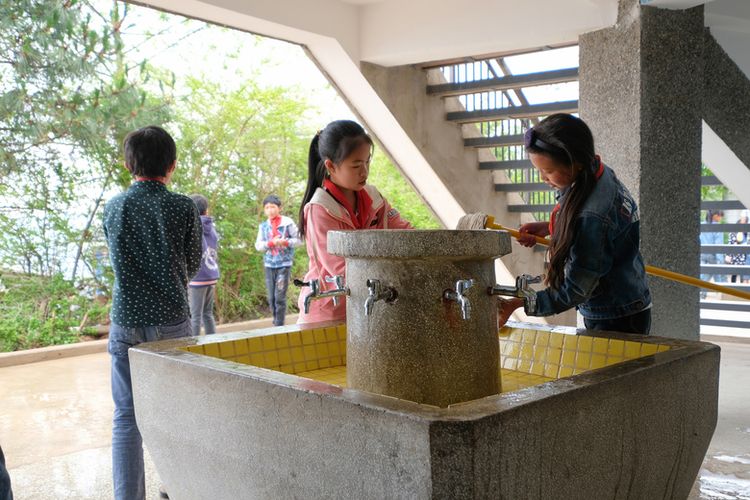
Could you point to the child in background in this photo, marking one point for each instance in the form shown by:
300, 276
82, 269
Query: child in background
202, 288
338, 198
712, 238
595, 262
277, 237
154, 239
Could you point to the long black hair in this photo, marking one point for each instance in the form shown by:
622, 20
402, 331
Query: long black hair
568, 141
335, 142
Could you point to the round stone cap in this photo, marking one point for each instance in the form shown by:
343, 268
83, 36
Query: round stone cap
409, 244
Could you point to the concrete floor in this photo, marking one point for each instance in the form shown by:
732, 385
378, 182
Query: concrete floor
56, 417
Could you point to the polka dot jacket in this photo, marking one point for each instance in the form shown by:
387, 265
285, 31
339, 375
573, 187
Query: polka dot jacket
154, 238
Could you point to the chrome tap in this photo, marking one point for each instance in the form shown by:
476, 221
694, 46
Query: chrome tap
521, 290
339, 281
378, 292
315, 292
459, 296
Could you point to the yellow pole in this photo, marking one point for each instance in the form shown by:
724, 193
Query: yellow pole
654, 271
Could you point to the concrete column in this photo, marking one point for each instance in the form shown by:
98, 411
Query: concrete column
640, 91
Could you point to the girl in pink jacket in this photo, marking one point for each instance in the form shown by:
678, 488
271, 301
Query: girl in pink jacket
338, 198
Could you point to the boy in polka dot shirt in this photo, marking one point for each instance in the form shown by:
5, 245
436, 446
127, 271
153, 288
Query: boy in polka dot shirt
155, 246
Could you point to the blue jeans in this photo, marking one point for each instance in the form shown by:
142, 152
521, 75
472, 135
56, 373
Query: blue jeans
639, 322
277, 283
128, 474
201, 300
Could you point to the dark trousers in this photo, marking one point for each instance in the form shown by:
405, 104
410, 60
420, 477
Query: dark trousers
201, 299
277, 282
635, 323
5, 491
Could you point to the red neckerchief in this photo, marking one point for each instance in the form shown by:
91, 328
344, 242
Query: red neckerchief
275, 226
157, 179
275, 222
553, 215
364, 203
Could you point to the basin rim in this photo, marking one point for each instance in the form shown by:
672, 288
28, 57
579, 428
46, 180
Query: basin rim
419, 244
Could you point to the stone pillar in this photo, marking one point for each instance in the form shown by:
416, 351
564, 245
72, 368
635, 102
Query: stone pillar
640, 92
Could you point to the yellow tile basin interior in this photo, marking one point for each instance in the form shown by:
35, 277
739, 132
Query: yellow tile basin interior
527, 357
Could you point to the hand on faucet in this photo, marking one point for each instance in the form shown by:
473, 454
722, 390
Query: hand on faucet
505, 308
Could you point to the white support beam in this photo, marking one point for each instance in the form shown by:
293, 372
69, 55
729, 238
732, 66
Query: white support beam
397, 32
674, 4
725, 165
342, 70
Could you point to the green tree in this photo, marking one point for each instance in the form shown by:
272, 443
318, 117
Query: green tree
399, 193
235, 147
68, 95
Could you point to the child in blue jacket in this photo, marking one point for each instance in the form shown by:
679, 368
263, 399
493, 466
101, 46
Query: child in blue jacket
277, 237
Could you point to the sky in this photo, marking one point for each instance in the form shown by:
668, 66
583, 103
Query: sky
227, 56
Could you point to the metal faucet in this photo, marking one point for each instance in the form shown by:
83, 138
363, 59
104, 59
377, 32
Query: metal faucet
315, 292
521, 290
459, 296
378, 292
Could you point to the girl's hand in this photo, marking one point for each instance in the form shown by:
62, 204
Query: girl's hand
531, 229
505, 308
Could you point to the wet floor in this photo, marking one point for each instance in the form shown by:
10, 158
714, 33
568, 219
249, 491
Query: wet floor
55, 429
55, 425
726, 469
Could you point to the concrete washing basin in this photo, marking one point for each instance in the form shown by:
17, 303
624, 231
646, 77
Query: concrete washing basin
267, 414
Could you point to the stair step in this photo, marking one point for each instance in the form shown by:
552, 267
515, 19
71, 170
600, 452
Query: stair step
513, 187
509, 187
710, 180
724, 269
532, 110
504, 83
722, 205
525, 208
726, 323
724, 228
505, 165
492, 142
724, 305
706, 205
725, 248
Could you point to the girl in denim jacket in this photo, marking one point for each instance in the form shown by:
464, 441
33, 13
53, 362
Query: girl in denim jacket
595, 264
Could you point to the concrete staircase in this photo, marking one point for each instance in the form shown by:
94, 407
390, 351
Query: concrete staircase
490, 104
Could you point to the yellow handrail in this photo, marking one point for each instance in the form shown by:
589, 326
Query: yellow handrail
655, 271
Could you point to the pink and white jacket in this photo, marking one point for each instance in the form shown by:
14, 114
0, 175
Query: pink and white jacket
322, 214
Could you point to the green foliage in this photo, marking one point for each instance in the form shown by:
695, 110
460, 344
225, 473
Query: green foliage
399, 193
712, 193
235, 147
68, 95
39, 311
67, 99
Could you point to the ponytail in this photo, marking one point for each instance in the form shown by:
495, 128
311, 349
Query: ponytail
568, 141
335, 142
565, 226
315, 174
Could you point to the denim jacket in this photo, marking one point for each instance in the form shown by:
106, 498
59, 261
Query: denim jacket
605, 277
275, 258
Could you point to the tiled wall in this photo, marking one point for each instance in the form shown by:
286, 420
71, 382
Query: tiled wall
292, 352
557, 355
527, 356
